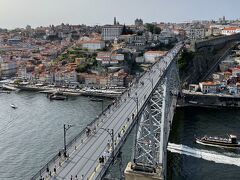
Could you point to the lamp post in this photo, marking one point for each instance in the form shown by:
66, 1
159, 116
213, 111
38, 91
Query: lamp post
111, 133
135, 135
151, 80
102, 105
65, 128
136, 101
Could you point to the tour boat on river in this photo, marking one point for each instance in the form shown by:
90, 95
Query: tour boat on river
230, 142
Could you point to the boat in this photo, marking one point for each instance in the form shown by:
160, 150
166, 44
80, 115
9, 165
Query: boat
4, 91
96, 99
230, 142
57, 96
13, 106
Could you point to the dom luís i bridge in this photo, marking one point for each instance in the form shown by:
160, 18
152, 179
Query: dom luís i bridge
149, 104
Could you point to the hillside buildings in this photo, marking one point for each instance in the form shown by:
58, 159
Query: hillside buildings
230, 31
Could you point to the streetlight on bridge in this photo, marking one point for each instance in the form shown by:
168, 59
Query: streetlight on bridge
136, 101
66, 127
151, 80
135, 135
111, 133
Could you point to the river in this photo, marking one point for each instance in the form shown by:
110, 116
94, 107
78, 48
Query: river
216, 163
31, 134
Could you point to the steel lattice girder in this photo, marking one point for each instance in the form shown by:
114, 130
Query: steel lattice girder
148, 143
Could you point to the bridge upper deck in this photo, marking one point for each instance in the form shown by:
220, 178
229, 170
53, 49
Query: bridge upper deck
83, 156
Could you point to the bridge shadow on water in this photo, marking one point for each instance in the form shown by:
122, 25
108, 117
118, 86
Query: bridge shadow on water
116, 171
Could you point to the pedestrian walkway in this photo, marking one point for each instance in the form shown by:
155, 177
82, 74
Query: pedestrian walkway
93, 151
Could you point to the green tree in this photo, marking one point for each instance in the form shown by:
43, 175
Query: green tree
153, 28
184, 60
81, 68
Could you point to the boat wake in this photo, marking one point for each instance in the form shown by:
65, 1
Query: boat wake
204, 154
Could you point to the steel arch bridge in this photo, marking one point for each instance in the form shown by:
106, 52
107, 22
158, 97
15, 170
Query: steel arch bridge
153, 126
149, 103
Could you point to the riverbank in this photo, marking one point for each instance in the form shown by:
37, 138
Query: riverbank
210, 100
108, 93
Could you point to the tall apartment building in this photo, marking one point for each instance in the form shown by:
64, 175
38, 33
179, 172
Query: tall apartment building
195, 33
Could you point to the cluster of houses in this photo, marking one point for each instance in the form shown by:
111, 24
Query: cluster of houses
30, 53
227, 81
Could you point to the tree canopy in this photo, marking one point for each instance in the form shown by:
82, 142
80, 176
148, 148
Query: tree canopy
153, 28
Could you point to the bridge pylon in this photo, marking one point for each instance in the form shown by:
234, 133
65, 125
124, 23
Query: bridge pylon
153, 127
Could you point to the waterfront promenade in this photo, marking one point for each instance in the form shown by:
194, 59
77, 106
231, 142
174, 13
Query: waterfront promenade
84, 153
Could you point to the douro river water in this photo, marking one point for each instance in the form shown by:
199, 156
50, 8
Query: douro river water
31, 134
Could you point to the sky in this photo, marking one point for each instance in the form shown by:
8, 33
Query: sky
19, 13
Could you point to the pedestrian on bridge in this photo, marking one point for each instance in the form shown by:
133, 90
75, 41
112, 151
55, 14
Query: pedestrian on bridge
88, 131
94, 129
55, 170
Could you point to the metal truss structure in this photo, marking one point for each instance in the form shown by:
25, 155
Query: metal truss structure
155, 121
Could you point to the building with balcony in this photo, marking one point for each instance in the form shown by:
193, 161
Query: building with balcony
208, 87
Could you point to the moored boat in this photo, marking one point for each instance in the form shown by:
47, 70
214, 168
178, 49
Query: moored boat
57, 96
96, 99
230, 142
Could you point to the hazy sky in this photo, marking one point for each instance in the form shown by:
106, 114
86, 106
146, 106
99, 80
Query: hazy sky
19, 13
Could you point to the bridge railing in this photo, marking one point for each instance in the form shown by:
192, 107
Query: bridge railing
68, 146
77, 137
104, 169
116, 150
44, 168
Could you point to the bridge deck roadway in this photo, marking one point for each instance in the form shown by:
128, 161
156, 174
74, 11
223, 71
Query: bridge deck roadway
83, 159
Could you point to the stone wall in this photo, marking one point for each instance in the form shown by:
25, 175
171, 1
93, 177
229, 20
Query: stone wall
207, 53
218, 42
209, 101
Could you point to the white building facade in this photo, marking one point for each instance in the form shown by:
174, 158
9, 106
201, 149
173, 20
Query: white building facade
93, 45
110, 32
151, 56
